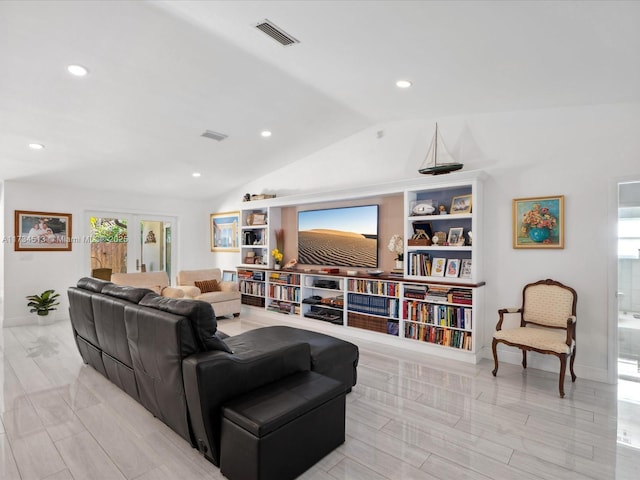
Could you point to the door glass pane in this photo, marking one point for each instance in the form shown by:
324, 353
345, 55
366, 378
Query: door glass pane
109, 238
155, 246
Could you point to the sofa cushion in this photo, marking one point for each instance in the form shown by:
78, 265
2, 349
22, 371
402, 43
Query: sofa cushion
92, 284
207, 286
124, 292
215, 297
188, 277
200, 316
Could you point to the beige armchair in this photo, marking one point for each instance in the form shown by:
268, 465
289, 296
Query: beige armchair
156, 281
207, 285
547, 325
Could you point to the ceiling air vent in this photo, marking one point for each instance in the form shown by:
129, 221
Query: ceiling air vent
276, 33
214, 135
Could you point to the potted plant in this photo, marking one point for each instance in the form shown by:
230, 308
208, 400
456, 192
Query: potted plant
43, 304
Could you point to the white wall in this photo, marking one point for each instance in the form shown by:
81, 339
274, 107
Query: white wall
26, 273
577, 152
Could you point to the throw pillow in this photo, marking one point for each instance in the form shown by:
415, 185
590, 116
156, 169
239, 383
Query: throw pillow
207, 286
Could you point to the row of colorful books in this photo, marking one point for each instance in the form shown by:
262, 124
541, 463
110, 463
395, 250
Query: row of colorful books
283, 292
443, 315
284, 278
252, 288
441, 336
375, 287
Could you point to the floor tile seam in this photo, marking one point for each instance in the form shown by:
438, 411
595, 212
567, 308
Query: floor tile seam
531, 440
402, 411
442, 440
355, 460
106, 454
576, 466
571, 472
394, 439
594, 436
13, 456
377, 474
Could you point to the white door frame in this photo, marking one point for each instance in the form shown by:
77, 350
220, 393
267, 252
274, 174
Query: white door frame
612, 256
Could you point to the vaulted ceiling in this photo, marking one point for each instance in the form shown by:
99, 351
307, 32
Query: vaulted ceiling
163, 72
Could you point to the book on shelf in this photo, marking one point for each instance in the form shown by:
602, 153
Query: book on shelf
459, 295
383, 306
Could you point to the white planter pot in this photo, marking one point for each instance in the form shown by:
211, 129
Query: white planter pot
400, 264
47, 319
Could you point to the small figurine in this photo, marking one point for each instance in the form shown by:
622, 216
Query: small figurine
442, 209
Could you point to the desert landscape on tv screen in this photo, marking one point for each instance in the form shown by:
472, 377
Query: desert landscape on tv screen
342, 237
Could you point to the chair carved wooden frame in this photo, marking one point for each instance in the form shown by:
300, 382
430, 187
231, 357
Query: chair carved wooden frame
548, 304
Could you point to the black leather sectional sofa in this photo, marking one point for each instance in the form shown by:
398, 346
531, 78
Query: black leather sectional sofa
168, 355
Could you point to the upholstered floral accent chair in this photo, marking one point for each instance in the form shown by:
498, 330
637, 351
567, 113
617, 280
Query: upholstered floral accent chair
547, 325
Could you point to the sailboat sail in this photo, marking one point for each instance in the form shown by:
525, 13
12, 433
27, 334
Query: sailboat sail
438, 160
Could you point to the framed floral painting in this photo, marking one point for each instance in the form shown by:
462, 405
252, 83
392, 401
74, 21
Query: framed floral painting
538, 222
225, 232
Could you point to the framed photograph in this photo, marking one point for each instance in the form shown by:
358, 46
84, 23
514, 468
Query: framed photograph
424, 226
461, 204
465, 268
453, 267
257, 219
455, 236
42, 231
438, 267
225, 232
538, 222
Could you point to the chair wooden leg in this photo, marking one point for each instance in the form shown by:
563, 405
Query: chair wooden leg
494, 346
573, 357
524, 358
563, 367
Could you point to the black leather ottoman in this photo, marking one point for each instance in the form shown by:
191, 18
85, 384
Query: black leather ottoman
282, 429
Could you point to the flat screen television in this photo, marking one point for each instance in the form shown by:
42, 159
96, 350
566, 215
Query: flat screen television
340, 237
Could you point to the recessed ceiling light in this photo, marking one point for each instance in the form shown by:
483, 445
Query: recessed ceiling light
36, 146
77, 70
196, 174
265, 133
403, 84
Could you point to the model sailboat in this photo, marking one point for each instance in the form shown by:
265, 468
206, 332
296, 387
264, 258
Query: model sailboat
438, 160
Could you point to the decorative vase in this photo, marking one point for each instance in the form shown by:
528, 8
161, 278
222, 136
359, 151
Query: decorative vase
277, 266
400, 264
539, 235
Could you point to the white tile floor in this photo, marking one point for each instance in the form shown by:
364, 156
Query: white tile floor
411, 416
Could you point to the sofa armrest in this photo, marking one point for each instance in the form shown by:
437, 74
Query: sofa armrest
171, 292
190, 291
228, 286
213, 378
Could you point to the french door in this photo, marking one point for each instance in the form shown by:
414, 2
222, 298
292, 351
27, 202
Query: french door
125, 243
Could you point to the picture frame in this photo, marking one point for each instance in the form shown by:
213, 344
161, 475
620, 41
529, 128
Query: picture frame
460, 204
42, 231
257, 219
438, 267
453, 268
225, 231
538, 222
456, 236
465, 268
